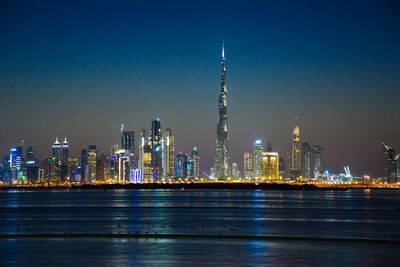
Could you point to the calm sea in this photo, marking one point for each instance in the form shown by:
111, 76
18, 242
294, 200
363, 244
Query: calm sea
347, 214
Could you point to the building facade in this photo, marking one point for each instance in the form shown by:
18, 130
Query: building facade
270, 163
221, 152
295, 155
156, 150
248, 166
92, 160
391, 164
306, 161
168, 150
258, 149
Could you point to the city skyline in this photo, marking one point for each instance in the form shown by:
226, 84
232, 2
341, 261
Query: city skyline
70, 89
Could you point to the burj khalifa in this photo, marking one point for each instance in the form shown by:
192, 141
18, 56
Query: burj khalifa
221, 152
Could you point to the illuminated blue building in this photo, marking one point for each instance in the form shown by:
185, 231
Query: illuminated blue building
128, 145
179, 165
16, 161
156, 149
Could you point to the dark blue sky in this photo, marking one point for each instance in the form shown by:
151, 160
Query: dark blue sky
81, 69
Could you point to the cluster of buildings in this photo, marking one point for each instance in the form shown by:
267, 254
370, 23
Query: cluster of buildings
155, 159
265, 165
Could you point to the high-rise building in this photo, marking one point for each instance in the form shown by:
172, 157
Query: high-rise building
30, 154
64, 168
57, 151
65, 151
248, 166
32, 170
317, 151
282, 169
235, 170
156, 150
168, 149
144, 162
123, 169
128, 145
270, 170
195, 158
179, 165
391, 164
185, 165
221, 152
295, 155
189, 166
147, 168
100, 169
307, 161
6, 170
92, 158
142, 143
74, 172
48, 170
16, 162
258, 149
84, 163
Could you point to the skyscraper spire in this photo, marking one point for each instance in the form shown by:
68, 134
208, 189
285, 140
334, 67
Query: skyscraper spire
221, 152
223, 52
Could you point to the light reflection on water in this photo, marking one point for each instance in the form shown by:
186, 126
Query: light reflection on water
346, 214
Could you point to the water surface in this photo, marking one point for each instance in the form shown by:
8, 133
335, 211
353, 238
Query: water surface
349, 214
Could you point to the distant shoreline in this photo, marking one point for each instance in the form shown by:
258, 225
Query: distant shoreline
210, 186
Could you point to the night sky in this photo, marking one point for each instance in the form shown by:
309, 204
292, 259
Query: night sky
81, 69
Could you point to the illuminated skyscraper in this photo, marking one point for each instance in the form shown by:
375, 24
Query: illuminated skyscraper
142, 142
6, 170
48, 169
32, 170
15, 163
295, 155
92, 158
123, 169
84, 163
189, 166
100, 168
235, 170
307, 161
30, 154
185, 165
64, 168
282, 169
65, 151
248, 165
147, 169
144, 163
74, 172
221, 152
270, 171
195, 159
128, 145
57, 151
317, 151
156, 153
168, 149
258, 149
179, 165
391, 162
